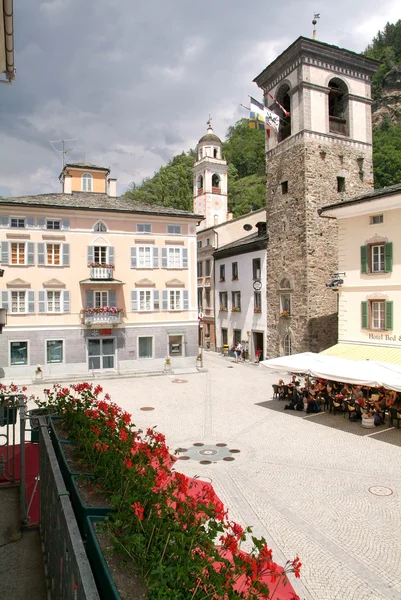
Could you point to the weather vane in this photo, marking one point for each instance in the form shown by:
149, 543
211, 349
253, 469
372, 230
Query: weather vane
209, 123
316, 16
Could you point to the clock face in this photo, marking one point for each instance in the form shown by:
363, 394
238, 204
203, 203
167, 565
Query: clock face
257, 285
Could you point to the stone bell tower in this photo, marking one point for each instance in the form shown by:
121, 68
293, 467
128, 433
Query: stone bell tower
321, 154
210, 181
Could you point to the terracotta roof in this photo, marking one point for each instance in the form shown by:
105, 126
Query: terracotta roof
93, 201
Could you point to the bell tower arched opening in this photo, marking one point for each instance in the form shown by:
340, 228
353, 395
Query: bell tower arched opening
284, 99
216, 183
338, 107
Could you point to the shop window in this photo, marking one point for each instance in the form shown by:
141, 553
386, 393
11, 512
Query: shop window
54, 351
18, 353
145, 347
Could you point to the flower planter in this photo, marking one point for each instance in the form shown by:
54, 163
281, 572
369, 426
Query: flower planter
54, 435
67, 472
34, 415
83, 510
104, 581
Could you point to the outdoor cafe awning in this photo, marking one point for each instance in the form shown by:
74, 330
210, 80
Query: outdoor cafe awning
382, 354
364, 372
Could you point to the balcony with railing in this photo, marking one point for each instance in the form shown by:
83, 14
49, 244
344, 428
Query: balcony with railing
337, 125
102, 316
100, 271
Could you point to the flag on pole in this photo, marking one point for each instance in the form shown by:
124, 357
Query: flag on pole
261, 117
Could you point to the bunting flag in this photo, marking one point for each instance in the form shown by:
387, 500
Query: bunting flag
278, 103
261, 117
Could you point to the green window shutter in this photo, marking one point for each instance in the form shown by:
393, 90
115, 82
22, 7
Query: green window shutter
388, 257
388, 315
364, 259
365, 315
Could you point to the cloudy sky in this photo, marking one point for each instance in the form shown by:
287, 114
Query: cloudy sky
135, 80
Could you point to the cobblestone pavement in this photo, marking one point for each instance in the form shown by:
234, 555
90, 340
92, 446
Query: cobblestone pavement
306, 489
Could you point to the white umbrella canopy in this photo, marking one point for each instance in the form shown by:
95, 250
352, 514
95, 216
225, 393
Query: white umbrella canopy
366, 372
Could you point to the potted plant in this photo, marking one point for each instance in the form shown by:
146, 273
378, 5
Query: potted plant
224, 308
285, 313
38, 372
257, 309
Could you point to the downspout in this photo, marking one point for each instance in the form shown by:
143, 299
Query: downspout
214, 292
8, 40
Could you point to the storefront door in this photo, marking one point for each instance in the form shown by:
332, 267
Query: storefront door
101, 353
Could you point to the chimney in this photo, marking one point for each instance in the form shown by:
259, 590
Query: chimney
67, 184
112, 188
262, 228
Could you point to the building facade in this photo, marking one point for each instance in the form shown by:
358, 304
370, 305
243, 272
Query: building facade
369, 290
321, 154
240, 293
93, 282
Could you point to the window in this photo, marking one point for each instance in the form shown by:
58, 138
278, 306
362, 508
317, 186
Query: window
223, 298
287, 345
54, 351
377, 314
17, 222
257, 302
207, 268
174, 229
200, 298
283, 97
207, 241
237, 336
199, 268
173, 258
53, 302
340, 184
284, 187
51, 224
215, 151
145, 300
87, 182
144, 228
199, 184
222, 272
338, 107
145, 347
53, 254
18, 302
174, 297
144, 257
18, 353
18, 253
101, 299
224, 336
236, 301
207, 297
285, 305
377, 258
175, 345
199, 244
100, 254
215, 182
376, 219
100, 226
256, 268
234, 269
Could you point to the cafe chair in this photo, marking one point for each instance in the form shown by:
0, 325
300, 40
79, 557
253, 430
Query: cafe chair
349, 408
276, 394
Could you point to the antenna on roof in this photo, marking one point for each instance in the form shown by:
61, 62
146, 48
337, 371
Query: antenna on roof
64, 150
316, 16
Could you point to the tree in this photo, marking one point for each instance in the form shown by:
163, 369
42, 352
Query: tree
387, 154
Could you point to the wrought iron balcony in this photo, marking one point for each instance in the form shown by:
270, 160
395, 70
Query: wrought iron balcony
101, 272
102, 316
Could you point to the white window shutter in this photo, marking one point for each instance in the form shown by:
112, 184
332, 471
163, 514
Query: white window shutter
30, 254
5, 221
4, 252
185, 258
164, 258
90, 299
31, 301
186, 300
156, 301
110, 259
66, 301
155, 258
134, 300
112, 298
5, 299
65, 223
42, 301
30, 222
133, 257
66, 255
165, 300
41, 254
41, 223
91, 255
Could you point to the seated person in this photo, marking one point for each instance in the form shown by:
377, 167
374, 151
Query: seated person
280, 388
294, 381
345, 390
312, 404
357, 396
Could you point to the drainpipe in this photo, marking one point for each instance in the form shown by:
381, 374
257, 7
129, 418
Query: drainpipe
8, 40
214, 291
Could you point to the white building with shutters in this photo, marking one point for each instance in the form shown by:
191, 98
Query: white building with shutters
93, 282
368, 284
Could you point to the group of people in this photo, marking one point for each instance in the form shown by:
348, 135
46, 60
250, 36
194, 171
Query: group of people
314, 394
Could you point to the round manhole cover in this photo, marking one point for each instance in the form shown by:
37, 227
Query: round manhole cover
147, 408
379, 490
207, 452
205, 462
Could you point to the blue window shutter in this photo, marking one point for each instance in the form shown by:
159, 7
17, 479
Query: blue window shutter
30, 254
165, 300
112, 298
4, 299
186, 300
110, 259
156, 300
42, 301
65, 223
155, 258
30, 222
41, 254
91, 255
90, 299
134, 300
66, 301
5, 221
4, 253
164, 258
364, 259
133, 257
41, 223
185, 258
364, 315
388, 257
66, 255
31, 301
388, 308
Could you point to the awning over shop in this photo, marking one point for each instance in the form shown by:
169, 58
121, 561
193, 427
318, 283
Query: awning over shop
381, 354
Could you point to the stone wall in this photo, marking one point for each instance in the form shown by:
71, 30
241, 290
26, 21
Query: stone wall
302, 245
